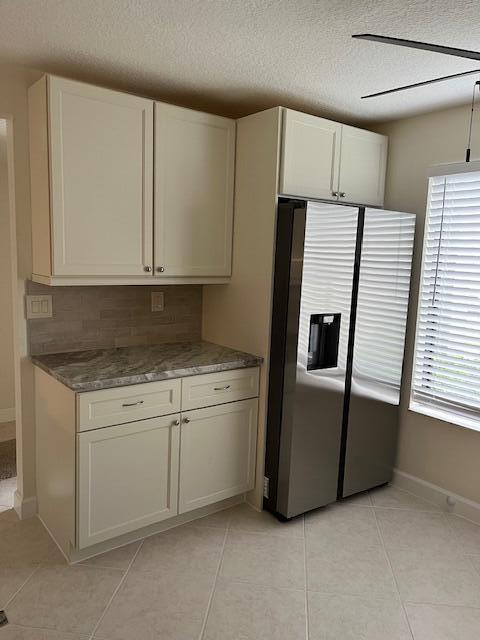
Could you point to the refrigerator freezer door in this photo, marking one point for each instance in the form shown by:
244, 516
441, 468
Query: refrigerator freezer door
382, 305
308, 427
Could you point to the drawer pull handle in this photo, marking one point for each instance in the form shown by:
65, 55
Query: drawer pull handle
227, 386
132, 404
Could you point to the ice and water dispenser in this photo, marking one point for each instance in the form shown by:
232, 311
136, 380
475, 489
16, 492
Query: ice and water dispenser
323, 341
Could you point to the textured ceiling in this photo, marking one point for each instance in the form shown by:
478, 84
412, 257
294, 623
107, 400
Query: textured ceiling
238, 56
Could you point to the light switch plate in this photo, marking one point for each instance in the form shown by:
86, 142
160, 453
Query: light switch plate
157, 301
39, 307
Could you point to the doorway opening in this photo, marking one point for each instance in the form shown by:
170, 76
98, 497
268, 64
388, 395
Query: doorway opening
8, 462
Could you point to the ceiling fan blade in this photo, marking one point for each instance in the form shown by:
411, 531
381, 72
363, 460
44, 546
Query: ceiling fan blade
425, 46
422, 84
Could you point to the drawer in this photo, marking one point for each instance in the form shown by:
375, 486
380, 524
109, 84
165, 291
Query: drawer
217, 388
125, 404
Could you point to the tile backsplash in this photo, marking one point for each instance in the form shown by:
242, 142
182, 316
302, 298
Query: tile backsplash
114, 316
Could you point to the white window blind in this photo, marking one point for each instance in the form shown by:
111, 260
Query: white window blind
446, 375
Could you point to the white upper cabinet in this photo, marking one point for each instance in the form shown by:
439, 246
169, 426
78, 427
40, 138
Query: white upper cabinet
311, 152
330, 161
100, 150
93, 184
363, 163
194, 174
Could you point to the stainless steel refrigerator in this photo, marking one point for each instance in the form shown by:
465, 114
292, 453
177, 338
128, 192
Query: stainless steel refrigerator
340, 300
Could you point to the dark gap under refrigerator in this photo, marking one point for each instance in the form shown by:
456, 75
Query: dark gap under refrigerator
340, 301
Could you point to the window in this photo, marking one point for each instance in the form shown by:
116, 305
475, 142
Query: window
446, 377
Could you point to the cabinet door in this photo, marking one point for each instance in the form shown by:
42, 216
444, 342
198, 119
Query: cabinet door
101, 167
310, 156
217, 457
194, 170
127, 477
363, 162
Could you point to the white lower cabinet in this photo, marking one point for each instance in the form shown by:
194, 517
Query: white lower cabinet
111, 465
217, 453
127, 477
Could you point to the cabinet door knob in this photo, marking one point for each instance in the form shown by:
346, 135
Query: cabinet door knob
186, 420
335, 194
176, 422
147, 269
160, 269
342, 194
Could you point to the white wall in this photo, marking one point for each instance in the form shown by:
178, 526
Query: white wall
438, 452
7, 386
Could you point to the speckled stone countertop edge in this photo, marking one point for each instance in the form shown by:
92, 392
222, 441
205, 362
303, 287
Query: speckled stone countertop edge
233, 360
127, 381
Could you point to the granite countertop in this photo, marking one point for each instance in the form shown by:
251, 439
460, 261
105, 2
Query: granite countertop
122, 366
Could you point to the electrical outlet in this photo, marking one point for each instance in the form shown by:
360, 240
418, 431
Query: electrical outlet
157, 301
266, 487
39, 307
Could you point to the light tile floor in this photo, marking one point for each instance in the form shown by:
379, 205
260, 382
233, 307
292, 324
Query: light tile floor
7, 491
381, 566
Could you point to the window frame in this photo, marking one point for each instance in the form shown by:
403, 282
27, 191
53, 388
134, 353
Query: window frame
466, 418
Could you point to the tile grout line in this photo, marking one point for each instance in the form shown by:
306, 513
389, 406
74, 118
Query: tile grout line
470, 558
324, 592
307, 622
217, 573
386, 508
456, 538
393, 573
450, 526
124, 577
444, 605
34, 571
266, 585
460, 517
50, 630
422, 499
436, 507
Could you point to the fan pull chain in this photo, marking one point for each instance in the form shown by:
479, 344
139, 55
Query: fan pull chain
467, 156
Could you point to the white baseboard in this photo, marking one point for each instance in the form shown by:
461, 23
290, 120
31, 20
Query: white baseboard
7, 415
25, 508
460, 506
